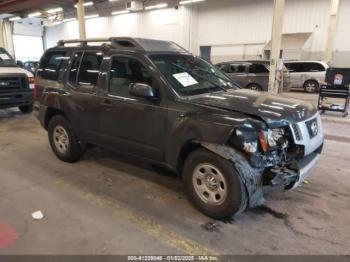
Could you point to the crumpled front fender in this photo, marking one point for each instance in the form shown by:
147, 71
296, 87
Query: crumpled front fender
251, 177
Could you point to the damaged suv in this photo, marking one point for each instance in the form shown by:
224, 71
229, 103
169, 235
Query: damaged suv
155, 101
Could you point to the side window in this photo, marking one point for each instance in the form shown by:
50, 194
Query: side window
236, 68
125, 71
90, 68
224, 68
294, 67
74, 68
51, 64
316, 67
258, 69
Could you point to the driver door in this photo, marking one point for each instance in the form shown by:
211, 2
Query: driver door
129, 124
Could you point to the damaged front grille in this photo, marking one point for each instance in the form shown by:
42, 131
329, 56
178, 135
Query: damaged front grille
297, 132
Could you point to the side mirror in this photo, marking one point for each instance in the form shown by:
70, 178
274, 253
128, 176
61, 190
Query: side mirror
20, 63
141, 90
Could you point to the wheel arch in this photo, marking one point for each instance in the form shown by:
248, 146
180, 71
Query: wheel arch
50, 113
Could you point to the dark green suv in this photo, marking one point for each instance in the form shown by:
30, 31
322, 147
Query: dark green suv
155, 101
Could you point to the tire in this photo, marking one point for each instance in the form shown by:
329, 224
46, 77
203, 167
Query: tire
26, 109
64, 143
254, 87
231, 203
311, 86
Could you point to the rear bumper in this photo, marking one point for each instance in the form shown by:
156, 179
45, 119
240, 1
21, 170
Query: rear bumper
15, 99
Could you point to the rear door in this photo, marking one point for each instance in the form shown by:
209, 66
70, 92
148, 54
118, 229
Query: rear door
82, 81
238, 73
296, 73
259, 74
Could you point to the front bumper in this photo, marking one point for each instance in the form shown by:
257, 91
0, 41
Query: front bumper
305, 166
14, 99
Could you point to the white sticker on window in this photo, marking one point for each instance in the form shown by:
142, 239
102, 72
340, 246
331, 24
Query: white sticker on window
4, 57
185, 79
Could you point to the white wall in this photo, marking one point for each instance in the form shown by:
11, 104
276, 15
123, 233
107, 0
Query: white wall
167, 24
236, 29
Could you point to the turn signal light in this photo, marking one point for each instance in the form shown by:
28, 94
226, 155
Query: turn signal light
31, 80
263, 141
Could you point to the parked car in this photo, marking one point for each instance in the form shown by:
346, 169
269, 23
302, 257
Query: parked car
253, 75
307, 75
155, 101
31, 66
16, 84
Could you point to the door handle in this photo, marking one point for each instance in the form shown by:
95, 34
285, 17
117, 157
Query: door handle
107, 104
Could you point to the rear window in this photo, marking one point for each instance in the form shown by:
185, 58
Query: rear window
51, 64
305, 67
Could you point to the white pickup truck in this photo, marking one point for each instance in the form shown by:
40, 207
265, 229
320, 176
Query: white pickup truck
16, 84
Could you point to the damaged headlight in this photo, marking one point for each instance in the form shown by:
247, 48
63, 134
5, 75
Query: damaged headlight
275, 136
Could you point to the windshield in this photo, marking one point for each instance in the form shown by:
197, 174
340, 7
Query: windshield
190, 75
6, 59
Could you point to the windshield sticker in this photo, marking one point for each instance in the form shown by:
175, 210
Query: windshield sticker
185, 79
4, 57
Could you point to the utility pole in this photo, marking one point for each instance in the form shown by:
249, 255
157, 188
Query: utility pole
81, 19
276, 41
332, 27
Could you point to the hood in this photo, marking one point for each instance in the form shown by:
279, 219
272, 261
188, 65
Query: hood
274, 110
14, 70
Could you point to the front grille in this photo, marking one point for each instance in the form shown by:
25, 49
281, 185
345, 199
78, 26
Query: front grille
297, 132
12, 84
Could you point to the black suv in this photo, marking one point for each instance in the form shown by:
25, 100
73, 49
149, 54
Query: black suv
155, 101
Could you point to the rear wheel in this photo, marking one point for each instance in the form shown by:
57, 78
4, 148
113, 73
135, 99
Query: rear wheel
311, 86
214, 185
26, 109
63, 140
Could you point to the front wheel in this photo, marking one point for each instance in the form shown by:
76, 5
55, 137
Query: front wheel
26, 109
63, 140
213, 185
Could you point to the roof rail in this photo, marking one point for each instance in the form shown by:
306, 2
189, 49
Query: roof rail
62, 43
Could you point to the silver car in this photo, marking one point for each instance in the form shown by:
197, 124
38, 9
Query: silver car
307, 75
252, 74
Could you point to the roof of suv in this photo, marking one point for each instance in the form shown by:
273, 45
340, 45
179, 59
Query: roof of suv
135, 44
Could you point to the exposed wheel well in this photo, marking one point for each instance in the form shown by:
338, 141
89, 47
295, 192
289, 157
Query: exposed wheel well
51, 112
187, 149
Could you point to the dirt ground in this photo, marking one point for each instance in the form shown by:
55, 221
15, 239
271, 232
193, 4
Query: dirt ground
110, 204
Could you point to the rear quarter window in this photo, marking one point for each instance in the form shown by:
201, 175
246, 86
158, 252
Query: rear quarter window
51, 65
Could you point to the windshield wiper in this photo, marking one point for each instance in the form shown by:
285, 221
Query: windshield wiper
205, 78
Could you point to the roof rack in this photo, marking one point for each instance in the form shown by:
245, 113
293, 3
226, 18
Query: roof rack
140, 44
123, 42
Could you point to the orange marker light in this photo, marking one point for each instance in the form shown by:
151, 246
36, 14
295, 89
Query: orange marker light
263, 141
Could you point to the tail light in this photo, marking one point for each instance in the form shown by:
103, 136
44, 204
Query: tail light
263, 141
36, 88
